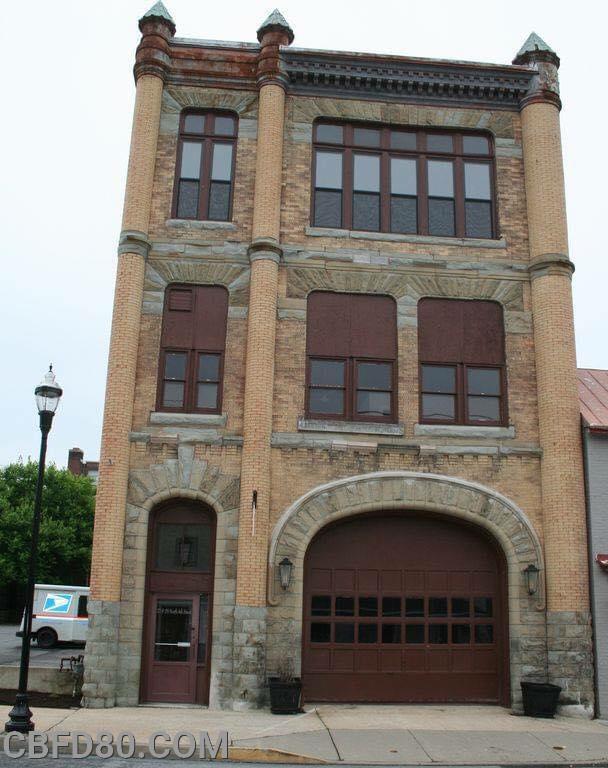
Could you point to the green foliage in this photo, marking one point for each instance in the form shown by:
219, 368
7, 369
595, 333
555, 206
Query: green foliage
66, 529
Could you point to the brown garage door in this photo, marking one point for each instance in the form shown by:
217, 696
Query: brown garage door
404, 608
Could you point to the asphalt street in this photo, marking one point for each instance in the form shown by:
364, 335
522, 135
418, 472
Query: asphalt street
10, 649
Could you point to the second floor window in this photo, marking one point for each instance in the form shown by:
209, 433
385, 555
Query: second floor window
192, 349
351, 342
462, 362
205, 166
383, 179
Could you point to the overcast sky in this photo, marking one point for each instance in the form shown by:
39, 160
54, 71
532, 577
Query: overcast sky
66, 118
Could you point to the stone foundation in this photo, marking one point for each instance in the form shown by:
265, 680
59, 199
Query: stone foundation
101, 657
249, 686
570, 661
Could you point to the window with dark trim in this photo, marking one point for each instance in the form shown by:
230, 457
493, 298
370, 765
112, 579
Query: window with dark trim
205, 166
388, 179
462, 362
192, 349
351, 343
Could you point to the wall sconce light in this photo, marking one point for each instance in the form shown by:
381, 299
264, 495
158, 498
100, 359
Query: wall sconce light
531, 574
285, 571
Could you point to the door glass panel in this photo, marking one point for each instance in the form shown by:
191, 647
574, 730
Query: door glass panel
320, 632
438, 606
484, 634
391, 633
460, 606
321, 605
391, 606
173, 630
483, 607
368, 606
183, 547
203, 622
344, 633
368, 633
438, 634
345, 606
414, 633
414, 606
461, 634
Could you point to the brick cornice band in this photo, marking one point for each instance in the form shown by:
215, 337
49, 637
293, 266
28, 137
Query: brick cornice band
551, 263
265, 249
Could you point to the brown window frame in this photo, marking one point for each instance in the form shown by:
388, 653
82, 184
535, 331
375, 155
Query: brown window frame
461, 395
351, 389
348, 148
191, 380
208, 139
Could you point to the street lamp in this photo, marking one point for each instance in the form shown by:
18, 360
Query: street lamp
47, 395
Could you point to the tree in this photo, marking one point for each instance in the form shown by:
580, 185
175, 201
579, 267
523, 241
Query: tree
66, 529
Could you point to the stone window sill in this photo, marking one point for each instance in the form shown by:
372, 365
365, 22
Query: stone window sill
458, 430
188, 419
194, 224
350, 427
468, 242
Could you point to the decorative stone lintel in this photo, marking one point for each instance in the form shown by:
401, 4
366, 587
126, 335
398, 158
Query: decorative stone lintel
133, 241
350, 427
551, 264
194, 224
189, 419
468, 242
265, 249
454, 430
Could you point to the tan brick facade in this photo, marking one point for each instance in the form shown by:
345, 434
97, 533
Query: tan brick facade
525, 481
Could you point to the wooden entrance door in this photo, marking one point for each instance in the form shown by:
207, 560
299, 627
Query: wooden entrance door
404, 608
176, 650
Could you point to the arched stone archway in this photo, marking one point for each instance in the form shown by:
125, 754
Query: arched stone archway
461, 499
179, 479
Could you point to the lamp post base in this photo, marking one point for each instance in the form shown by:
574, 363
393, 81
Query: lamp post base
20, 716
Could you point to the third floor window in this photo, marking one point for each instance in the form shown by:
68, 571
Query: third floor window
383, 179
205, 166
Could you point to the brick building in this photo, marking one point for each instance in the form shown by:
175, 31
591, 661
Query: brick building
78, 466
342, 342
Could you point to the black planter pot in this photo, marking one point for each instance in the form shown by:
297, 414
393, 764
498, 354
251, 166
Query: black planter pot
285, 697
540, 699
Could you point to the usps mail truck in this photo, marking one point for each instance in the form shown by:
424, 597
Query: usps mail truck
60, 615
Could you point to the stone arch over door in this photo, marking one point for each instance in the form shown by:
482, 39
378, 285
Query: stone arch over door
177, 479
451, 497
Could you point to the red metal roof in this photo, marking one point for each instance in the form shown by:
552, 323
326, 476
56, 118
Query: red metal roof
593, 396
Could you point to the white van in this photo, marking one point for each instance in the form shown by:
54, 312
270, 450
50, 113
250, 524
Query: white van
60, 615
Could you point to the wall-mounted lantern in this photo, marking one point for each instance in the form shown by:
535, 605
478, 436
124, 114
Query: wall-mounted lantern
285, 571
531, 574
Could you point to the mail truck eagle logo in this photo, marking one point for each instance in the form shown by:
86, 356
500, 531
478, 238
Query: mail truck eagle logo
57, 603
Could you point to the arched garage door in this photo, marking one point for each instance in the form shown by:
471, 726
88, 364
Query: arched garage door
404, 608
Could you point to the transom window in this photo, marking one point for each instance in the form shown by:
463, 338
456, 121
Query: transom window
351, 347
383, 179
462, 370
205, 166
192, 349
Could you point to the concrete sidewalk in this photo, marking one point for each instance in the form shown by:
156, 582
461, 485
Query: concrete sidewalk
381, 734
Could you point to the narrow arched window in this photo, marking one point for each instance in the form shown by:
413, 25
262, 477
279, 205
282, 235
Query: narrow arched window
204, 175
192, 349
